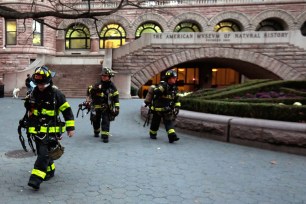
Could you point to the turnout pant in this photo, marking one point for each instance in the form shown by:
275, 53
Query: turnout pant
44, 165
168, 122
101, 122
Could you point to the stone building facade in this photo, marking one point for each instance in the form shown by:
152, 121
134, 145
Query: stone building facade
139, 62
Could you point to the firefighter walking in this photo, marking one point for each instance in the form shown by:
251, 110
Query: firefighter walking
165, 105
44, 126
104, 100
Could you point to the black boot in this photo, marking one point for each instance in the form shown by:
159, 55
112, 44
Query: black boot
172, 138
96, 134
34, 182
153, 137
104, 138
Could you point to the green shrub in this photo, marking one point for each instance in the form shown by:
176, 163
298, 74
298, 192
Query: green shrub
223, 101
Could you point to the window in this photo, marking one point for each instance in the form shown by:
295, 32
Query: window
227, 26
37, 33
11, 32
78, 37
112, 36
187, 27
303, 29
148, 27
224, 77
269, 25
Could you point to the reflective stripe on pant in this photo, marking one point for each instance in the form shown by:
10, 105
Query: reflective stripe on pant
101, 120
43, 160
51, 167
169, 125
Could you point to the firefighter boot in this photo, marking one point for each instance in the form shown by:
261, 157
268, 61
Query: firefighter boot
172, 138
153, 134
153, 137
96, 133
34, 182
104, 138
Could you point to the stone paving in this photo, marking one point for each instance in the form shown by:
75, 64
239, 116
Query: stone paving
131, 168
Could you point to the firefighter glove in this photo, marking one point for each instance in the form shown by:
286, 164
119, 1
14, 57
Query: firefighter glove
116, 112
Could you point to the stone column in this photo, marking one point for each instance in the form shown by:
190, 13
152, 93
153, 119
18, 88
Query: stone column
122, 80
60, 45
94, 45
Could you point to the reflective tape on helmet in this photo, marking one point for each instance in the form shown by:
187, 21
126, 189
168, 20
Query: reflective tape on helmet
39, 173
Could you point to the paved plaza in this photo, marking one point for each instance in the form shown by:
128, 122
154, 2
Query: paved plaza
132, 169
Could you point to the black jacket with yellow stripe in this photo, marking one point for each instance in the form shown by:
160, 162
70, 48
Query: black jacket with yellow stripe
44, 109
165, 97
104, 93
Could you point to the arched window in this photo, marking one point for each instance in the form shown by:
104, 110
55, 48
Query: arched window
187, 27
112, 36
227, 26
270, 25
303, 29
148, 27
78, 37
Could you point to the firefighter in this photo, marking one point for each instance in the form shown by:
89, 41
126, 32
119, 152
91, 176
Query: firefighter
165, 105
43, 105
104, 100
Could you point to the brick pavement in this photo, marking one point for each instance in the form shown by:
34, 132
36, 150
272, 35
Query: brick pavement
131, 168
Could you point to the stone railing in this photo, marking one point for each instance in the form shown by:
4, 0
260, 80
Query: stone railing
176, 3
107, 4
161, 3
253, 37
268, 134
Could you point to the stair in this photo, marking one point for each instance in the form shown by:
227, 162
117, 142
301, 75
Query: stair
73, 80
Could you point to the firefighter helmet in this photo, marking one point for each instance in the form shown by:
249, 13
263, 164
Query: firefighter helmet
42, 75
170, 73
107, 71
55, 149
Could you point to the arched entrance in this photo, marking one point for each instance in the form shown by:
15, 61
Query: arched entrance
208, 71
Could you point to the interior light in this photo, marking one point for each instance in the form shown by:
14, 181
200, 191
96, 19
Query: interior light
214, 70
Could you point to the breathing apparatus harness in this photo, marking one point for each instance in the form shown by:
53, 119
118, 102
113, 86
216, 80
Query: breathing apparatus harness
55, 149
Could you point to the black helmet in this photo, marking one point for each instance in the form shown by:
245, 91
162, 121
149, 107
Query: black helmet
42, 75
170, 73
107, 71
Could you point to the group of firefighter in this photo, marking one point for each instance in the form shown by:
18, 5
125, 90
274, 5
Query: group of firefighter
45, 102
